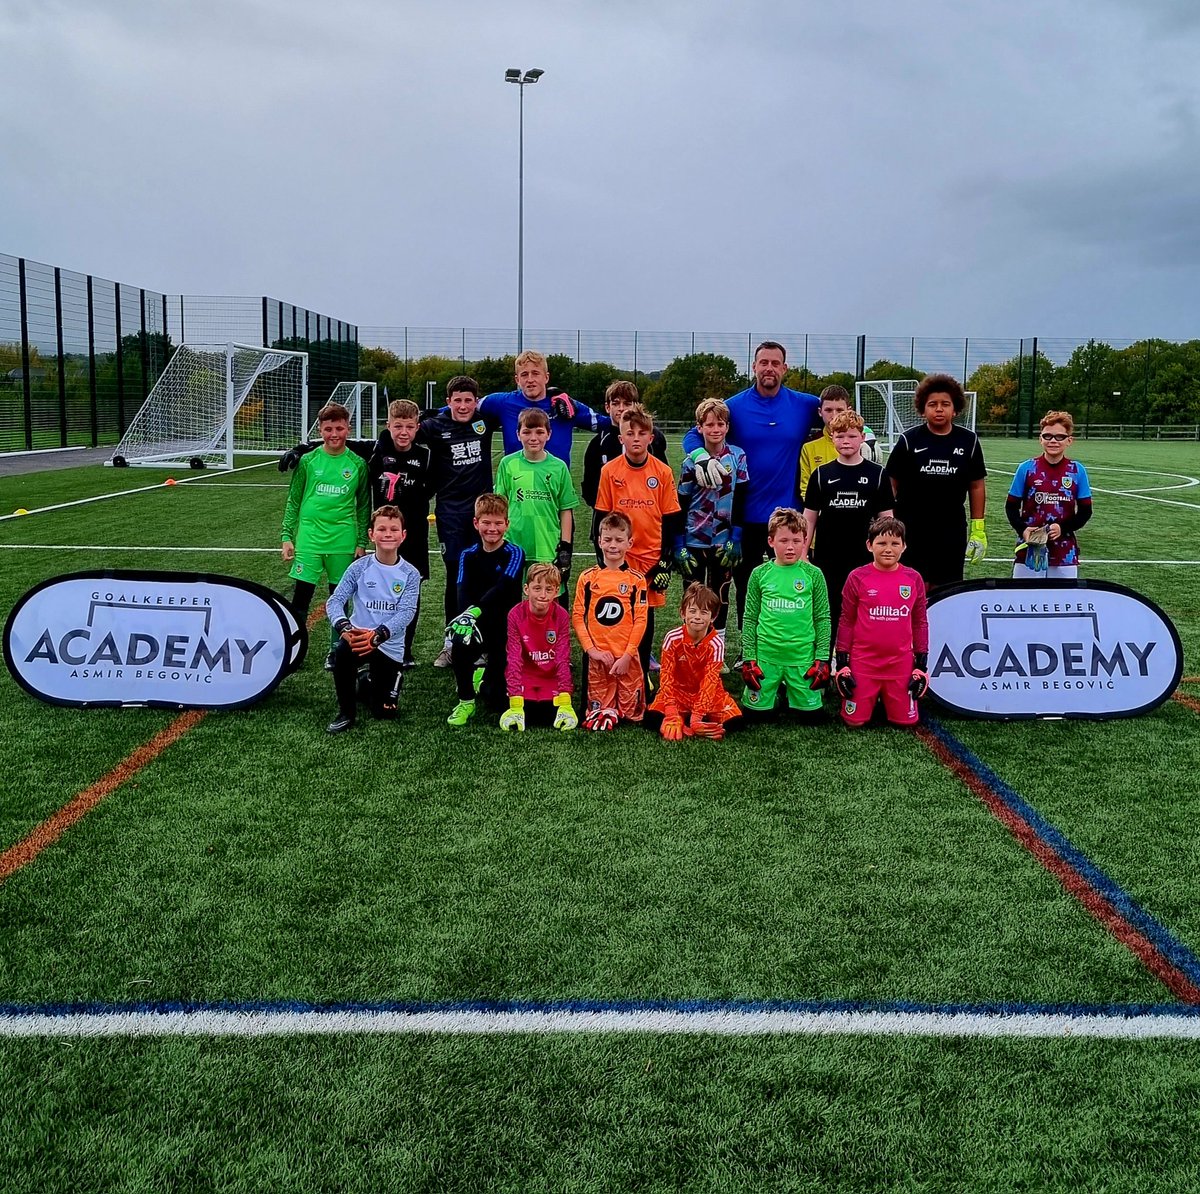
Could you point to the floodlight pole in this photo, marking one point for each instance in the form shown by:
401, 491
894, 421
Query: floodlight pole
513, 75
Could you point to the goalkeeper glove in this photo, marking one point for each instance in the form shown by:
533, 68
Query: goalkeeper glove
380, 635
708, 470
291, 457
561, 406
715, 730
684, 560
818, 674
1037, 555
565, 718
672, 728
341, 626
601, 719
362, 640
844, 681
513, 718
729, 554
562, 559
752, 674
659, 576
976, 542
919, 684
466, 627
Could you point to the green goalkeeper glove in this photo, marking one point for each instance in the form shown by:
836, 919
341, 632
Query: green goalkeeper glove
466, 627
513, 718
566, 717
729, 554
976, 542
659, 576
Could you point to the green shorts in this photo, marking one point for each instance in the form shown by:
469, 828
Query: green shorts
310, 565
799, 695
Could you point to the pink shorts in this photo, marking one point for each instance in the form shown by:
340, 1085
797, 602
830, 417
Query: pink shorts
898, 704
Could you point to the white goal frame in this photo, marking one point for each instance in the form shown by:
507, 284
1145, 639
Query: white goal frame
354, 396
215, 400
887, 405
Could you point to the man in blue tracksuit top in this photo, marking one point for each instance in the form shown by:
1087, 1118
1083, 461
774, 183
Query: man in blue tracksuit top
770, 423
532, 377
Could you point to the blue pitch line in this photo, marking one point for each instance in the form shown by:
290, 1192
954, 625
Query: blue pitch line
1170, 946
682, 1006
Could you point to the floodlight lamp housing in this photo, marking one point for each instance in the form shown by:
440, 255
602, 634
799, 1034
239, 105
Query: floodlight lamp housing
512, 75
532, 76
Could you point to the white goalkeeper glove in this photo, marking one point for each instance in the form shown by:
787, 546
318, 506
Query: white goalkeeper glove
709, 472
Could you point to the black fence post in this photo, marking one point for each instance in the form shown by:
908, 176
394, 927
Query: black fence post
145, 346
62, 363
860, 358
26, 387
1032, 390
120, 365
92, 409
266, 338
1146, 395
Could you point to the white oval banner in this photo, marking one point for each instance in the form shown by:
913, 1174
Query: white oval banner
1053, 648
177, 640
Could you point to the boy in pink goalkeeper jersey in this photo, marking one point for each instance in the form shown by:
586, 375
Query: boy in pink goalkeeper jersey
538, 673
883, 635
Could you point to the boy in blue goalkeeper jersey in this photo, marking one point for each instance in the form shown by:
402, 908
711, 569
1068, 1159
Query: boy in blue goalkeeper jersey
369, 612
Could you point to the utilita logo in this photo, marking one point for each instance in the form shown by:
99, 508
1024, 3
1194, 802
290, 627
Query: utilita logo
164, 639
1050, 649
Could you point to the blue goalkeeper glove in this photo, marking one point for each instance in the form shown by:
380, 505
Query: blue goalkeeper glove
729, 554
684, 560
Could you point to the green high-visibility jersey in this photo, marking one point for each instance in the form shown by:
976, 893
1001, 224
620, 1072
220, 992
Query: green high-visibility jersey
537, 491
787, 614
328, 503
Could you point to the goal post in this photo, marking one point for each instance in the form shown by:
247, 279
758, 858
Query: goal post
888, 407
216, 400
360, 399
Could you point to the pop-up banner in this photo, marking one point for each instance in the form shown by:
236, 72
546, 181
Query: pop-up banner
166, 639
1051, 648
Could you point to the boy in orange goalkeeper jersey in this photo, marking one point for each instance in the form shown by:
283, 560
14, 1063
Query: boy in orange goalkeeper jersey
691, 700
609, 620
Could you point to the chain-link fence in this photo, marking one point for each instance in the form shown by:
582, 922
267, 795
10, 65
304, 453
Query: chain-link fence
1143, 387
79, 354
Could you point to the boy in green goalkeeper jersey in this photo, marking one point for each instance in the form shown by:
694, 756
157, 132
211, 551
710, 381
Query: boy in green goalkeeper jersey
785, 635
325, 519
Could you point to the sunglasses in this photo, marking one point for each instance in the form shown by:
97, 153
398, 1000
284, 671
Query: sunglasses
1053, 437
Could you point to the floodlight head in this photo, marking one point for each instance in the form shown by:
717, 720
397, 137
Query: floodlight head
512, 75
532, 76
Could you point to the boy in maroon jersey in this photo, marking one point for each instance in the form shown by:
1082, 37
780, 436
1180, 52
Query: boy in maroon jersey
883, 637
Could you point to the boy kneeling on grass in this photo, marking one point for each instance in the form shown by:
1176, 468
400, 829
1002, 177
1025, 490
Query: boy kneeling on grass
369, 611
785, 634
539, 656
883, 638
691, 700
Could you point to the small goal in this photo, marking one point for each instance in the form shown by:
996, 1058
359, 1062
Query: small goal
359, 398
215, 400
888, 407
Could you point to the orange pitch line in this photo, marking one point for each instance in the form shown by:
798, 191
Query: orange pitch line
54, 826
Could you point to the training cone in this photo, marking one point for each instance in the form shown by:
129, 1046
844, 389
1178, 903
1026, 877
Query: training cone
169, 481
22, 510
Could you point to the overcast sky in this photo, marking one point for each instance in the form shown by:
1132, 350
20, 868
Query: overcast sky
892, 167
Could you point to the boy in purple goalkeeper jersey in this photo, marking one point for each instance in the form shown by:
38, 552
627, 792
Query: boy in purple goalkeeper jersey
1048, 501
883, 638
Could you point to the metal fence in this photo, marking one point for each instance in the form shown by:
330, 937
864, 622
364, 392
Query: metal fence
1138, 383
79, 354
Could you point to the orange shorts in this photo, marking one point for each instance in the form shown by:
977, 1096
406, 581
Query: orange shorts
626, 694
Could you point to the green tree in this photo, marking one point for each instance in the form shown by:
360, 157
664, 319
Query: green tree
687, 381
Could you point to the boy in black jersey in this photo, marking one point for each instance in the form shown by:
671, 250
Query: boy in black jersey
489, 585
843, 497
933, 468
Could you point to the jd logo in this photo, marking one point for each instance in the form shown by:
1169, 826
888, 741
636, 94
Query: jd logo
609, 612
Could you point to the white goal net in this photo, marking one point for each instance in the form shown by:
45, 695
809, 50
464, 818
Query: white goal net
887, 406
359, 398
215, 400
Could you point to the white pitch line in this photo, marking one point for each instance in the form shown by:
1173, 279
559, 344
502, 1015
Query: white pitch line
103, 497
1047, 1025
108, 547
1145, 497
